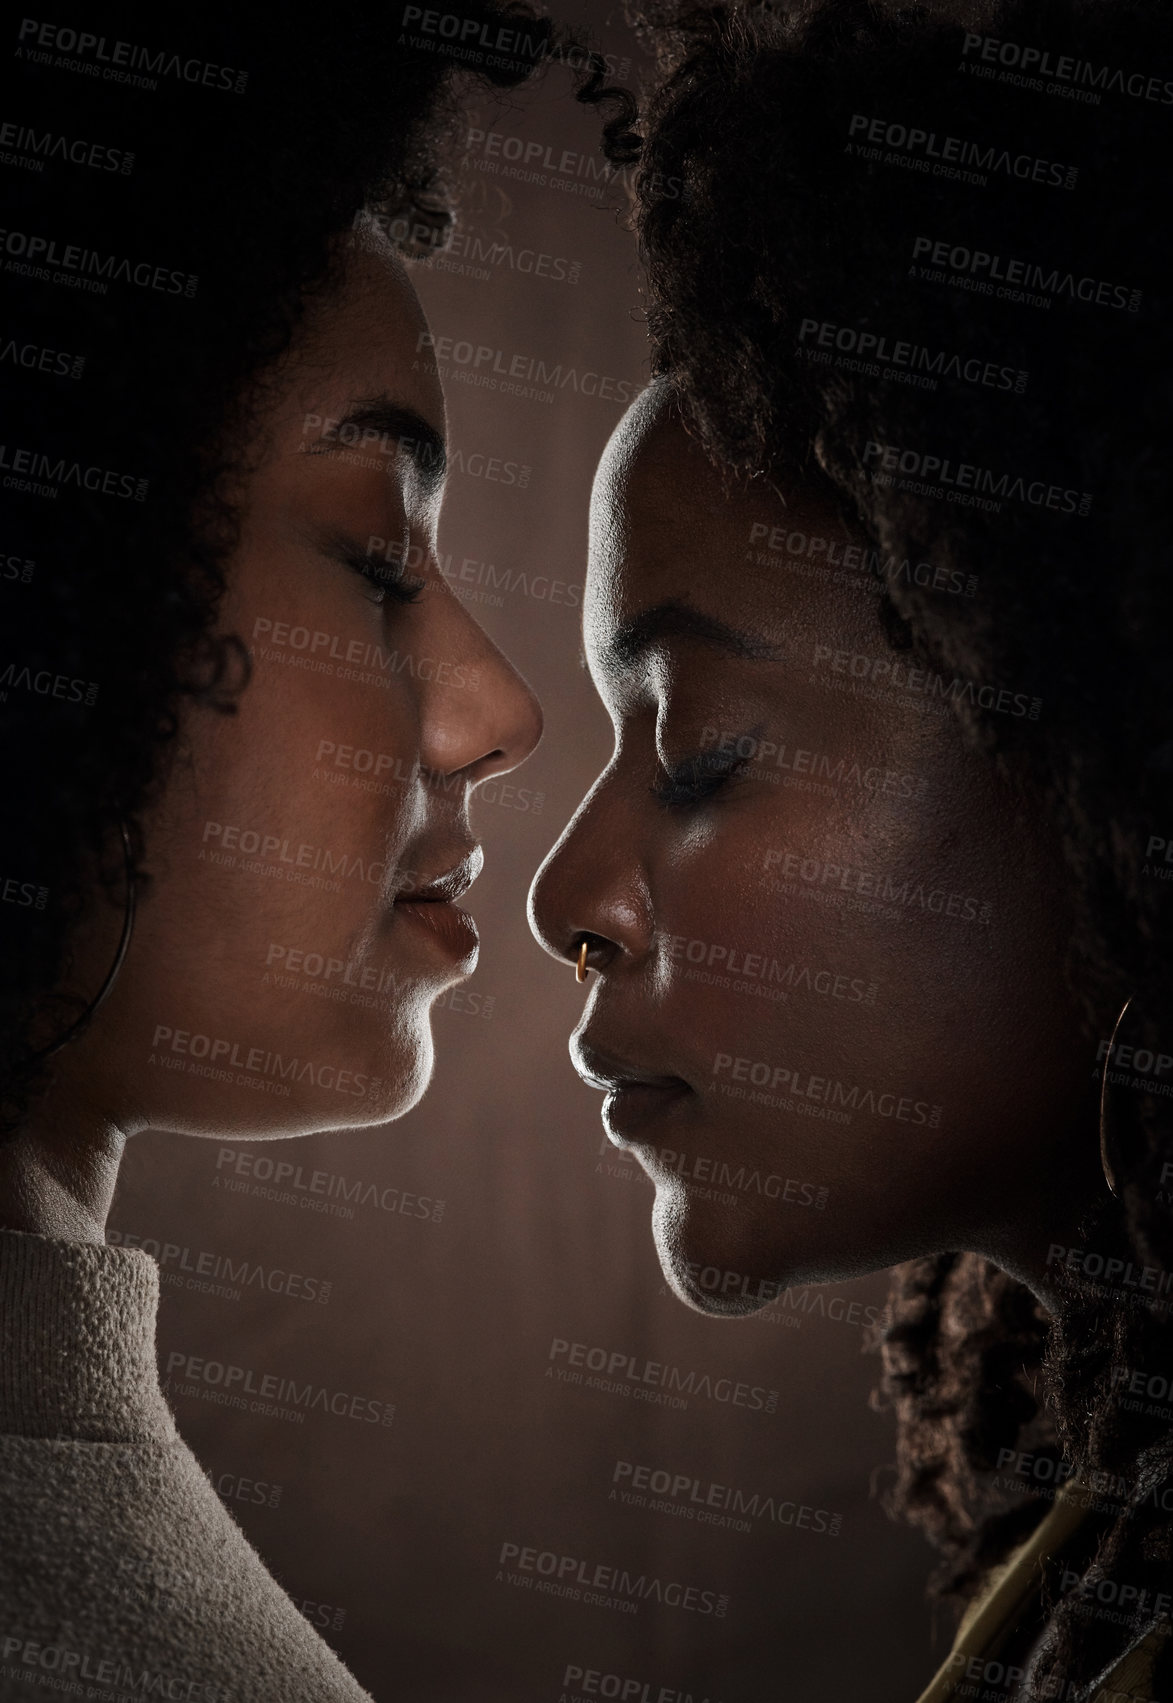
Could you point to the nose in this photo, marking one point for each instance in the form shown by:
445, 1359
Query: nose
593, 887
482, 718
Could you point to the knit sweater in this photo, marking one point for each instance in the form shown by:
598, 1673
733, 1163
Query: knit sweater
122, 1575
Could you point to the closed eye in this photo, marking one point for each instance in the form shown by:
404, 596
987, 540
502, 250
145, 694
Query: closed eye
388, 580
695, 779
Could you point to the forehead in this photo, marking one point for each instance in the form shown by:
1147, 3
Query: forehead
369, 335
667, 526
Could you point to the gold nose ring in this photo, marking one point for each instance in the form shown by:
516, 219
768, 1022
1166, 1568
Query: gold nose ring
580, 968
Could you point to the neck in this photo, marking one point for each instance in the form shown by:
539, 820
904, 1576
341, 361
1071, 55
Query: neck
58, 1173
1045, 1256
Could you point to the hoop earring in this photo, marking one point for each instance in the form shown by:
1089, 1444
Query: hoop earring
1109, 1121
78, 1028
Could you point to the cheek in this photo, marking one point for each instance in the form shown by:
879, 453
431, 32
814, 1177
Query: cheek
277, 844
870, 997
288, 827
861, 951
322, 749
321, 754
762, 939
300, 804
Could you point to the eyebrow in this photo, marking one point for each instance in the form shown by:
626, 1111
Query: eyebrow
386, 419
676, 620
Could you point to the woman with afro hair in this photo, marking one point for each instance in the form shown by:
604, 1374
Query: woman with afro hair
877, 885
222, 467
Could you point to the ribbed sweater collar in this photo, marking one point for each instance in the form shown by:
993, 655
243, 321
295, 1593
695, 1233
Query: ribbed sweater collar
77, 1342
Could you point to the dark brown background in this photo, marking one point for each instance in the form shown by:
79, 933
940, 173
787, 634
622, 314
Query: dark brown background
392, 1536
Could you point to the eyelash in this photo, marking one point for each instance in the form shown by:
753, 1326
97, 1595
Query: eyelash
695, 780
389, 588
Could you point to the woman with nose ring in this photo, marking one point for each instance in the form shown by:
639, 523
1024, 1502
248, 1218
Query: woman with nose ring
873, 889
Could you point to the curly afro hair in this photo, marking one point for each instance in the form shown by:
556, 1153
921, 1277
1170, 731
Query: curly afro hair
176, 187
882, 242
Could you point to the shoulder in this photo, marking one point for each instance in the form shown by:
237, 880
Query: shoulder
121, 1560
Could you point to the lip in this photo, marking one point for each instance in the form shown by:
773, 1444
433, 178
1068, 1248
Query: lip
448, 884
430, 905
451, 927
636, 1097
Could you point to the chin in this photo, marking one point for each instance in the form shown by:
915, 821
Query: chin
704, 1259
407, 1065
382, 1081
